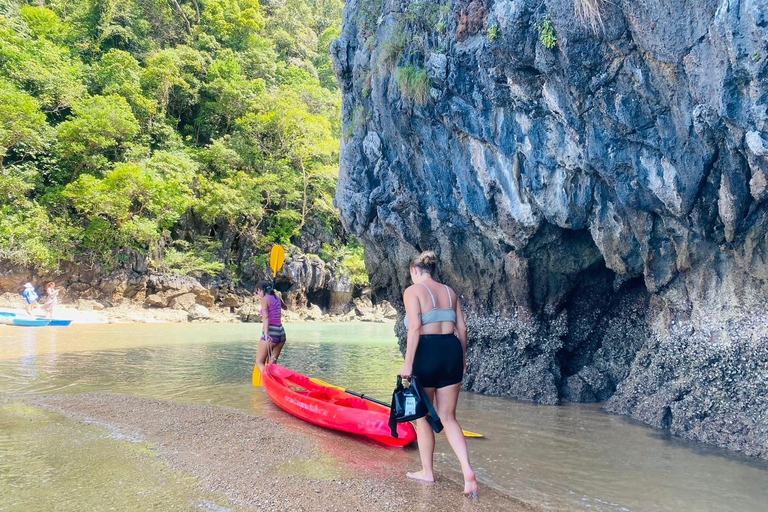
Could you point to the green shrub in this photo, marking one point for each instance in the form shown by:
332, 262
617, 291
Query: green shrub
547, 34
413, 83
391, 50
356, 120
493, 32
28, 236
350, 258
353, 262
193, 258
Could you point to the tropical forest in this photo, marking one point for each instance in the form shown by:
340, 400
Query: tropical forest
194, 133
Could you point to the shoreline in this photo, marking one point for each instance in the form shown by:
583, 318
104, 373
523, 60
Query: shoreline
92, 312
303, 469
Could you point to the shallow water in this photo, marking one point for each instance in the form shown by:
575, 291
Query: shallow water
572, 457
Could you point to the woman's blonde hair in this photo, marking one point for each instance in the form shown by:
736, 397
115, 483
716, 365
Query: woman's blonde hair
426, 262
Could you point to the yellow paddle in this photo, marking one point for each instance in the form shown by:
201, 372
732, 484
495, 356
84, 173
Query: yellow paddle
276, 259
467, 433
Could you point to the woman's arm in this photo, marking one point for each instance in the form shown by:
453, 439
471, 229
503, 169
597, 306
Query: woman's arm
265, 317
413, 311
461, 329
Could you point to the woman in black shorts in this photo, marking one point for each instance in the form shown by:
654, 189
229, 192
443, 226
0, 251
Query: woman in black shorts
436, 353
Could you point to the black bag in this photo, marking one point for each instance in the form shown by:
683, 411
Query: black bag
411, 403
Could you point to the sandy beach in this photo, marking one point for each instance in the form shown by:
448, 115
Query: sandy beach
262, 464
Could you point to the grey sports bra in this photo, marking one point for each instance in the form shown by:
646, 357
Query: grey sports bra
436, 315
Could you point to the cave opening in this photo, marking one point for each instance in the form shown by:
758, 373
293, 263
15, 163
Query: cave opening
605, 313
607, 326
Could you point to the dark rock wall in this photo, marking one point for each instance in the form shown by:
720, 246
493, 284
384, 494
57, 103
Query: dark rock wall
600, 205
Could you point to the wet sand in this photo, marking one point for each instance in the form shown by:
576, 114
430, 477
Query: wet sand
264, 464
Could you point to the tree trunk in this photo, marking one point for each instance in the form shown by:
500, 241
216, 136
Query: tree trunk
186, 20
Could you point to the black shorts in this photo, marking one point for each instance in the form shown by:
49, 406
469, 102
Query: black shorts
439, 360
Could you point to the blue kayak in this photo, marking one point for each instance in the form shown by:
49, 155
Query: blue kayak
60, 323
56, 322
30, 322
7, 313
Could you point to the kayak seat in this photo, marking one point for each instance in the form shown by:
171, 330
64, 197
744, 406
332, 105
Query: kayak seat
320, 395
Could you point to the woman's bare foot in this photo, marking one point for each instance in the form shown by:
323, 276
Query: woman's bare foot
470, 487
421, 476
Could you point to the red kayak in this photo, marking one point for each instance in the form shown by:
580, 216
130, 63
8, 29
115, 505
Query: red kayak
332, 408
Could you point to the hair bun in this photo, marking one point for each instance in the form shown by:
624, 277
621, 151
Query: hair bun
428, 258
426, 261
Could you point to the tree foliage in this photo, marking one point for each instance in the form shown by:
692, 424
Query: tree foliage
125, 122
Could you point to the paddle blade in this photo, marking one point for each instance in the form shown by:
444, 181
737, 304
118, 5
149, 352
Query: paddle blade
467, 433
256, 377
276, 259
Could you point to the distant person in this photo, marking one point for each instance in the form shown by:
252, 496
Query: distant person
51, 299
272, 331
436, 352
30, 297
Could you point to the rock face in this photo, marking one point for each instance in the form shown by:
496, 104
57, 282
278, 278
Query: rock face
600, 204
305, 280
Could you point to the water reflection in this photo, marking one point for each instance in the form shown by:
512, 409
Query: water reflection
572, 457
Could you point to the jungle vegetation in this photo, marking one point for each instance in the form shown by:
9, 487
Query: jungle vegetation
196, 132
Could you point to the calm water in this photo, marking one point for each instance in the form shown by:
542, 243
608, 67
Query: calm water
573, 457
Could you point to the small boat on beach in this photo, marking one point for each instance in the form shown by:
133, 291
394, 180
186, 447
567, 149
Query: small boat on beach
332, 408
11, 318
27, 322
58, 322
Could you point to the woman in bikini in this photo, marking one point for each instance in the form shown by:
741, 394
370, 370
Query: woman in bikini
436, 353
272, 332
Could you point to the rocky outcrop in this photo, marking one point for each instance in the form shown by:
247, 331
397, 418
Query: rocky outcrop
306, 279
307, 284
597, 196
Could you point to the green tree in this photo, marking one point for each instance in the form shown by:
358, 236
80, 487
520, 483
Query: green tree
233, 22
284, 130
100, 124
134, 204
118, 72
118, 118
23, 127
39, 66
227, 96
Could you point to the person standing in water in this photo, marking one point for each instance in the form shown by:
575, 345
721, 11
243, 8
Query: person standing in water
272, 331
51, 300
30, 298
436, 353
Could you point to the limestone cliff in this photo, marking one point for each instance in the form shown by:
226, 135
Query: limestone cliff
595, 187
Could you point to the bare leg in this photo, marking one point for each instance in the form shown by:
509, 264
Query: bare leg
262, 352
276, 349
425, 436
447, 398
